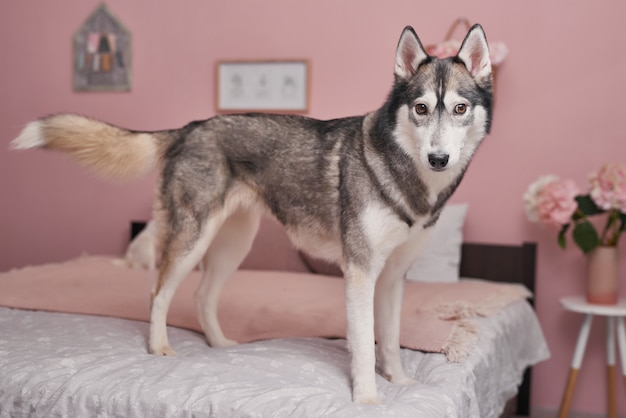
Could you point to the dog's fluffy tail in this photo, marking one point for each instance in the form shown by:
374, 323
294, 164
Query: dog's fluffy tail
108, 150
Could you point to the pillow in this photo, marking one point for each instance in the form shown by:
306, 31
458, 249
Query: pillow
440, 258
271, 250
142, 250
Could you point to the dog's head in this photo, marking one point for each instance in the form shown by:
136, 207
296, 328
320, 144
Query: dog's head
442, 106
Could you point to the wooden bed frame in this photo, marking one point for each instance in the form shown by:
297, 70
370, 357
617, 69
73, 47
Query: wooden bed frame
499, 263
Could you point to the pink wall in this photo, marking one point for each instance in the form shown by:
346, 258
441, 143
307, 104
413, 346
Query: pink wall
559, 110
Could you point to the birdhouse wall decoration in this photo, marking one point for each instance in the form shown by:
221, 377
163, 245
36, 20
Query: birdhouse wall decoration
102, 55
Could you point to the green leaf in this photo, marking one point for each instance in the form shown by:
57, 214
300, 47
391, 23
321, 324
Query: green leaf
585, 236
587, 206
622, 218
561, 236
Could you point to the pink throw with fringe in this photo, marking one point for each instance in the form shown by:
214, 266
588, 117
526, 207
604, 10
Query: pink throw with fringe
258, 305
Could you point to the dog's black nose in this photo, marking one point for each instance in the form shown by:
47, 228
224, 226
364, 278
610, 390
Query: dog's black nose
438, 161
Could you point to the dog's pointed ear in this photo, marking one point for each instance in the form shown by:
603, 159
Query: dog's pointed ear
474, 53
409, 54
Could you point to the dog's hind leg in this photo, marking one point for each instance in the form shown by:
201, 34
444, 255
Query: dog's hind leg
182, 251
226, 252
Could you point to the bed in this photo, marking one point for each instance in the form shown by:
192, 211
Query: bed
91, 360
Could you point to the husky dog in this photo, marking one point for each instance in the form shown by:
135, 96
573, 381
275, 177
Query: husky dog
359, 191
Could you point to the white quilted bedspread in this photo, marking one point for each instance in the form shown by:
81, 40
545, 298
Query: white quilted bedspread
63, 365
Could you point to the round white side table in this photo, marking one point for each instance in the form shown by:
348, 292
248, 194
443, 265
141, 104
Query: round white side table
614, 322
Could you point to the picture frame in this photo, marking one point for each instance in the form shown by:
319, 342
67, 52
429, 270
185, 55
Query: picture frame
278, 86
102, 53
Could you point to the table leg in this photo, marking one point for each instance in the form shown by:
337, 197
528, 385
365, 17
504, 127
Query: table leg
610, 366
579, 352
621, 343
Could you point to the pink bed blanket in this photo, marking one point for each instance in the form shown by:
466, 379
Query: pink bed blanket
258, 305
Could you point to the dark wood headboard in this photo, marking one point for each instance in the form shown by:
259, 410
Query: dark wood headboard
504, 263
136, 227
500, 263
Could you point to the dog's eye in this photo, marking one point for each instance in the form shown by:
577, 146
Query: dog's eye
460, 108
421, 109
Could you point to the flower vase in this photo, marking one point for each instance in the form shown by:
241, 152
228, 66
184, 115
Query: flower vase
602, 280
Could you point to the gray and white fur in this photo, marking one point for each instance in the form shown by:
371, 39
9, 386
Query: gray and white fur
360, 191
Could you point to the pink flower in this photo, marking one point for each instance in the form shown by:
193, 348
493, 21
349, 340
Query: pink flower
551, 201
449, 48
498, 52
445, 49
608, 187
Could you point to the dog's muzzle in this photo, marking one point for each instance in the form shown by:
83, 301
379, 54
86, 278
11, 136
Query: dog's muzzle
438, 161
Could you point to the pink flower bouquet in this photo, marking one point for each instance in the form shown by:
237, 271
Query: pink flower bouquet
449, 48
558, 203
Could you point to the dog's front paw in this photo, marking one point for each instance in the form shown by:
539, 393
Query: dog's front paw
223, 342
365, 395
402, 380
393, 372
398, 378
366, 399
165, 350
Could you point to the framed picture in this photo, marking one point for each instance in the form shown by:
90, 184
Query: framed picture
268, 86
102, 53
